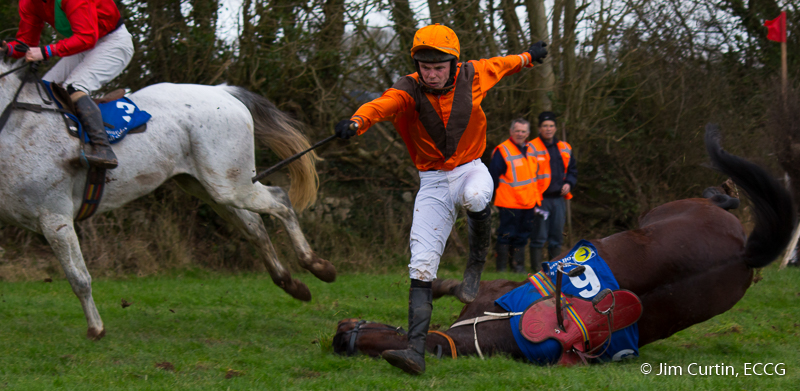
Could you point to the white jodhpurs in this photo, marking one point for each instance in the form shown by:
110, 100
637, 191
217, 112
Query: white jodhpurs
89, 70
440, 193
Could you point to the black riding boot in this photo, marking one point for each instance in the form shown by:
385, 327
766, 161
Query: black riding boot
480, 230
536, 259
537, 255
101, 154
553, 251
412, 359
518, 259
502, 257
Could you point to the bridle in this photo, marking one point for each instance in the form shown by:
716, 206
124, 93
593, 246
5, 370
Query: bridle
353, 337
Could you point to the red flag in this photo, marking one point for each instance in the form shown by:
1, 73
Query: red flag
777, 28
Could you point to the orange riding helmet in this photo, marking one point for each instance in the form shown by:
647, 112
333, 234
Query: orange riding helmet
436, 43
442, 41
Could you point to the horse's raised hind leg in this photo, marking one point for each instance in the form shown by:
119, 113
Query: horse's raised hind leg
275, 201
60, 233
252, 227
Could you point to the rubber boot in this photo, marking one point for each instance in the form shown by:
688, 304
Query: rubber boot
518, 260
480, 230
502, 257
412, 359
89, 114
553, 251
536, 259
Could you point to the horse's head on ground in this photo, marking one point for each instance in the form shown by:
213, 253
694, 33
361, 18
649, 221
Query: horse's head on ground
354, 335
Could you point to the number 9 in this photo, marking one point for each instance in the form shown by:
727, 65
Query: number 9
591, 280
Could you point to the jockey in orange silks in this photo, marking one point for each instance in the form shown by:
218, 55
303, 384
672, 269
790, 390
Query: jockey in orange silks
437, 111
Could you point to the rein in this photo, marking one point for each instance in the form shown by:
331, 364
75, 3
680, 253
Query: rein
450, 341
14, 104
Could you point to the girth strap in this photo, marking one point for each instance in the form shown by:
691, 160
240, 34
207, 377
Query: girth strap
474, 322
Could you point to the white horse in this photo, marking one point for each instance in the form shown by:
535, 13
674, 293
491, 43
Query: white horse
202, 136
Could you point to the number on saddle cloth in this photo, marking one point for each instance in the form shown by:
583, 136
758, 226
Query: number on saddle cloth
540, 289
539, 323
120, 116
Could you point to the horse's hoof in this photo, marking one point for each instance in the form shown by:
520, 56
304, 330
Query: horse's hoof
95, 334
322, 269
443, 287
298, 290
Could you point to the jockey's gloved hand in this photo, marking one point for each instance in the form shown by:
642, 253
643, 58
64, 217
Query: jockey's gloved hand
346, 128
538, 51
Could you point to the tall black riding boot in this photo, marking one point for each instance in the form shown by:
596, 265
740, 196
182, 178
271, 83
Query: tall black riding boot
89, 114
412, 359
536, 259
502, 257
480, 230
553, 251
518, 260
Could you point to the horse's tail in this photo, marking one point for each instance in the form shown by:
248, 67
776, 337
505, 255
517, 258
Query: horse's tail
774, 210
280, 133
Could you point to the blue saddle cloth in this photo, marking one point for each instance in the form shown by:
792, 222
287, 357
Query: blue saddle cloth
597, 277
120, 117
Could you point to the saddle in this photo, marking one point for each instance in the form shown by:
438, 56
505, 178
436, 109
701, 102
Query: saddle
587, 324
62, 96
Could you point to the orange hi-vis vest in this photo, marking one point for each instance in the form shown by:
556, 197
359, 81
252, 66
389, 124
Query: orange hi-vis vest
444, 131
517, 188
543, 158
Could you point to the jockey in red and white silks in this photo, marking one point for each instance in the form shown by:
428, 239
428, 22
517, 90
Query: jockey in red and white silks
95, 49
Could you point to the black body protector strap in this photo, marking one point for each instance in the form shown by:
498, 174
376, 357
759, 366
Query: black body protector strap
446, 138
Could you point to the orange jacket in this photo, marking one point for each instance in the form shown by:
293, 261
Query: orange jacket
518, 188
444, 131
543, 175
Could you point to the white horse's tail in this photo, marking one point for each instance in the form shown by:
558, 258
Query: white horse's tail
280, 133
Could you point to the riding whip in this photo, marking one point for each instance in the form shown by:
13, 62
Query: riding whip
296, 156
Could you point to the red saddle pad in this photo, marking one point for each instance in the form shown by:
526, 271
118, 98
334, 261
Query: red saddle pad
539, 323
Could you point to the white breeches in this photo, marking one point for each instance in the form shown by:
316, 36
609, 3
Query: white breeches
89, 70
440, 192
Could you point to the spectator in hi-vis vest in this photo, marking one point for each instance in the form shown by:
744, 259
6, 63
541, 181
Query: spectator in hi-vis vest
437, 111
514, 168
96, 47
557, 176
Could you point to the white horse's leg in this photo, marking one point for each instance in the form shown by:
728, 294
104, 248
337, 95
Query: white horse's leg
252, 227
60, 233
275, 201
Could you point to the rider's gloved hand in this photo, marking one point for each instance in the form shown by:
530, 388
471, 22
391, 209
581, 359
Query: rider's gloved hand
538, 51
346, 128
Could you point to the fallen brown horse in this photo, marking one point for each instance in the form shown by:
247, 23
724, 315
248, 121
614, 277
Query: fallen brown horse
688, 261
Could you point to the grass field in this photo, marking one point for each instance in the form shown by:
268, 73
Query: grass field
196, 330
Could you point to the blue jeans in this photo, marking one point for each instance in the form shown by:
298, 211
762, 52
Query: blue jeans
550, 231
515, 226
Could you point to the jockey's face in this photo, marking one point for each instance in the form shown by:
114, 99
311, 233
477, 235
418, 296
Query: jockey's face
547, 130
519, 133
435, 74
